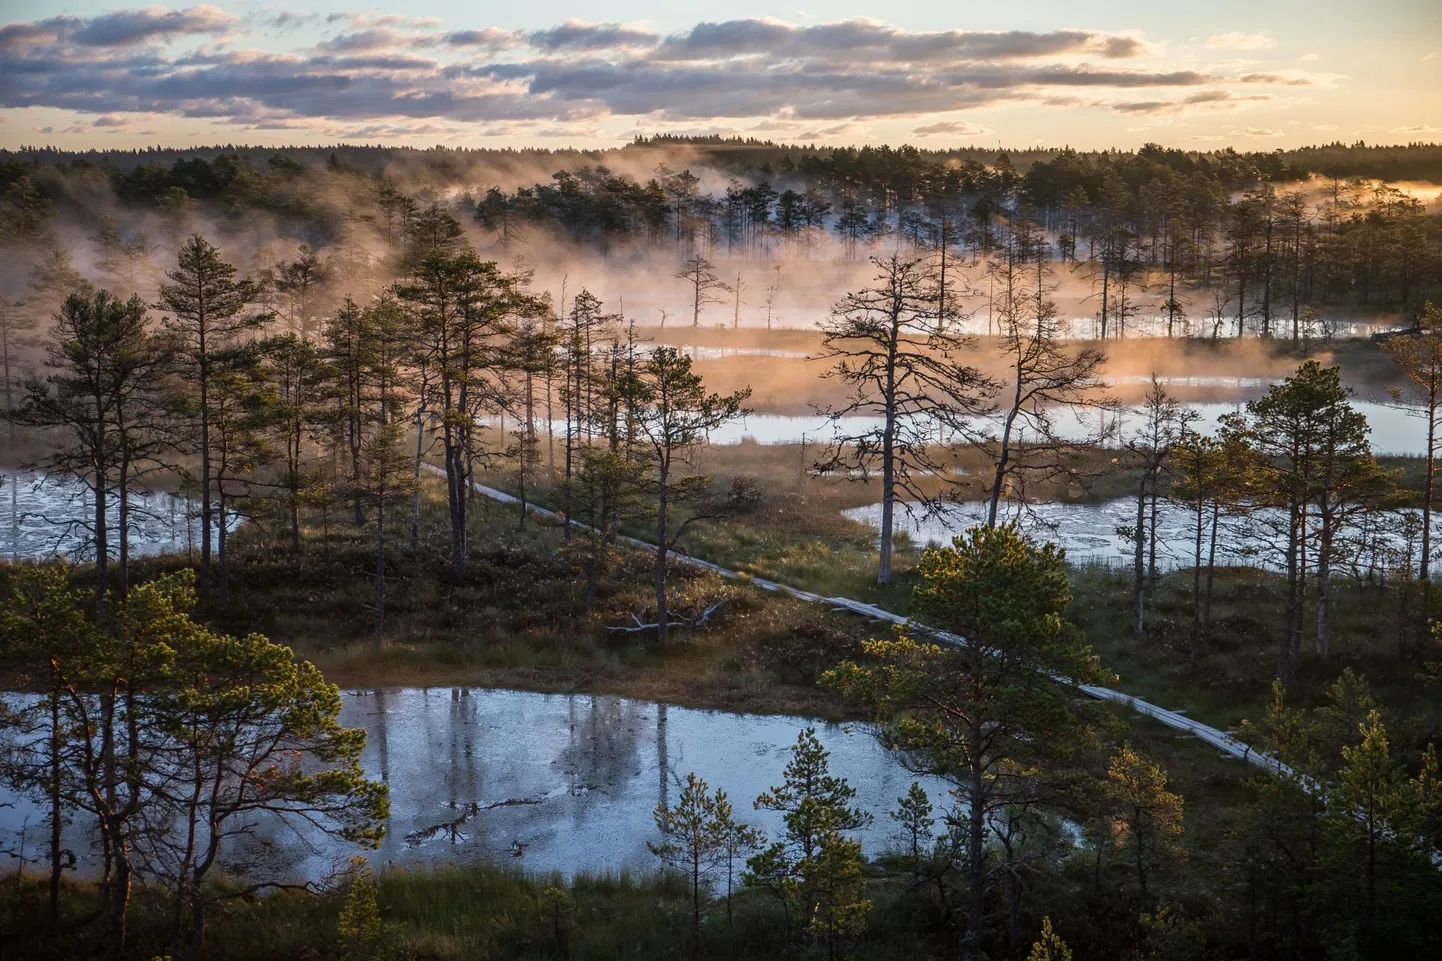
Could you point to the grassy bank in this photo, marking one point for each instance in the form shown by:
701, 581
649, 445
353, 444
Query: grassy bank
518, 617
476, 912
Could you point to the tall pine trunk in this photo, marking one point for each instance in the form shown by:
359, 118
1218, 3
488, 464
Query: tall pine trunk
1139, 571
416, 494
380, 578
662, 614
971, 949
207, 518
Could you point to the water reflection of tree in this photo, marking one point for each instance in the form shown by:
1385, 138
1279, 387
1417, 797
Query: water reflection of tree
463, 780
604, 747
380, 732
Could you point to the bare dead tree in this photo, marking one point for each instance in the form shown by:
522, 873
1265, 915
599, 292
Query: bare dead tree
706, 287
905, 370
1045, 380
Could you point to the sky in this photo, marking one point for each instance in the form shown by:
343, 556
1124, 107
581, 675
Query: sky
1254, 74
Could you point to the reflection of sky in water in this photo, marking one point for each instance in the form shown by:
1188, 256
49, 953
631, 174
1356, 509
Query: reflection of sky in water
1395, 431
1088, 532
584, 775
43, 517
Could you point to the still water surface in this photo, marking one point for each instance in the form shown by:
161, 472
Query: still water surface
44, 516
1091, 533
1395, 431
559, 782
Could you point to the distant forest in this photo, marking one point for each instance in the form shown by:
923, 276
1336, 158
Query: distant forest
750, 156
1192, 243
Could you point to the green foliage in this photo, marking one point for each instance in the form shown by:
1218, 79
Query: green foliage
1149, 817
814, 871
700, 836
1344, 839
989, 714
1050, 946
813, 802
833, 888
364, 936
192, 702
914, 822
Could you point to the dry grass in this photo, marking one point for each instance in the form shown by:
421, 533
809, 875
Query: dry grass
518, 618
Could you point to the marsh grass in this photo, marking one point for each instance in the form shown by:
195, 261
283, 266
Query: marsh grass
517, 617
1232, 679
472, 913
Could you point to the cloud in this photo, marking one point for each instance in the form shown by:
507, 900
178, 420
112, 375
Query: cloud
291, 19
1418, 128
1308, 57
491, 38
377, 38
16, 35
375, 131
277, 125
1255, 132
1240, 41
371, 73
109, 121
126, 27
579, 35
950, 128
1278, 79
824, 132
1324, 127
1429, 56
1206, 137
1202, 100
874, 41
559, 133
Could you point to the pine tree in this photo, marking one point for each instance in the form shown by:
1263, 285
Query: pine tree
386, 481
359, 925
294, 375
1050, 946
671, 414
884, 344
914, 823
817, 808
833, 890
706, 287
699, 835
102, 391
1316, 466
1419, 355
987, 715
209, 312
1149, 816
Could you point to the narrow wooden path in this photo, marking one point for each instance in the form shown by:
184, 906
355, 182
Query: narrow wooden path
1173, 719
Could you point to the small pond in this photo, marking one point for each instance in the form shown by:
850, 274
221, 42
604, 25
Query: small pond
44, 516
553, 782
